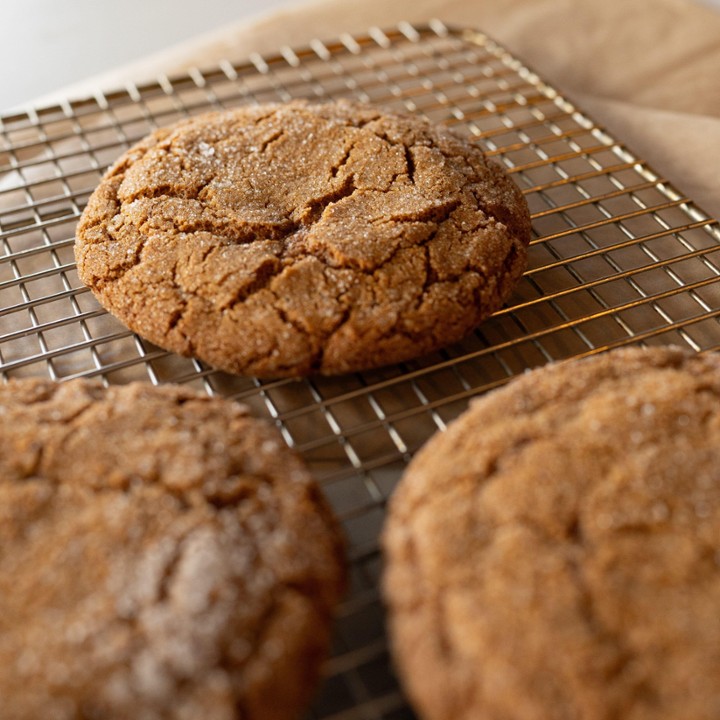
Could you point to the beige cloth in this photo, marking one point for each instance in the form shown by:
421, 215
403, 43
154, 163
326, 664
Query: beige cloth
647, 70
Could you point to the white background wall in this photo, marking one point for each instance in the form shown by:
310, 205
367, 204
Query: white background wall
47, 44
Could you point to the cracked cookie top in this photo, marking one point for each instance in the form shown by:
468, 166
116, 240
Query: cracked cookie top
289, 239
162, 556
556, 553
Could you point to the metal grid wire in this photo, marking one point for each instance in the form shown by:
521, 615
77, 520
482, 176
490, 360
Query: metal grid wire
619, 256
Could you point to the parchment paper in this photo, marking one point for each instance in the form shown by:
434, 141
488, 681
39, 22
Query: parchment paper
648, 70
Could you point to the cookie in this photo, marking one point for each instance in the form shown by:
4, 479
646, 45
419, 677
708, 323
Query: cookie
163, 556
556, 553
292, 239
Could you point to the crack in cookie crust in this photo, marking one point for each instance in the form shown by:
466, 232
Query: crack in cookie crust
261, 239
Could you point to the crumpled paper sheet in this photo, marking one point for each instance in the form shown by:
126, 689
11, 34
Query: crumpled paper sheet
647, 70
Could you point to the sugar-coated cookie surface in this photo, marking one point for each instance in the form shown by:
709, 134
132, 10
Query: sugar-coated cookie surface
290, 239
556, 553
163, 556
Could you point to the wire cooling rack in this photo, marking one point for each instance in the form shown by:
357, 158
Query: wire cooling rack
619, 257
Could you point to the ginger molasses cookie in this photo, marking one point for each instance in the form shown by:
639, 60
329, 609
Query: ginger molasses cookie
556, 553
289, 239
163, 556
